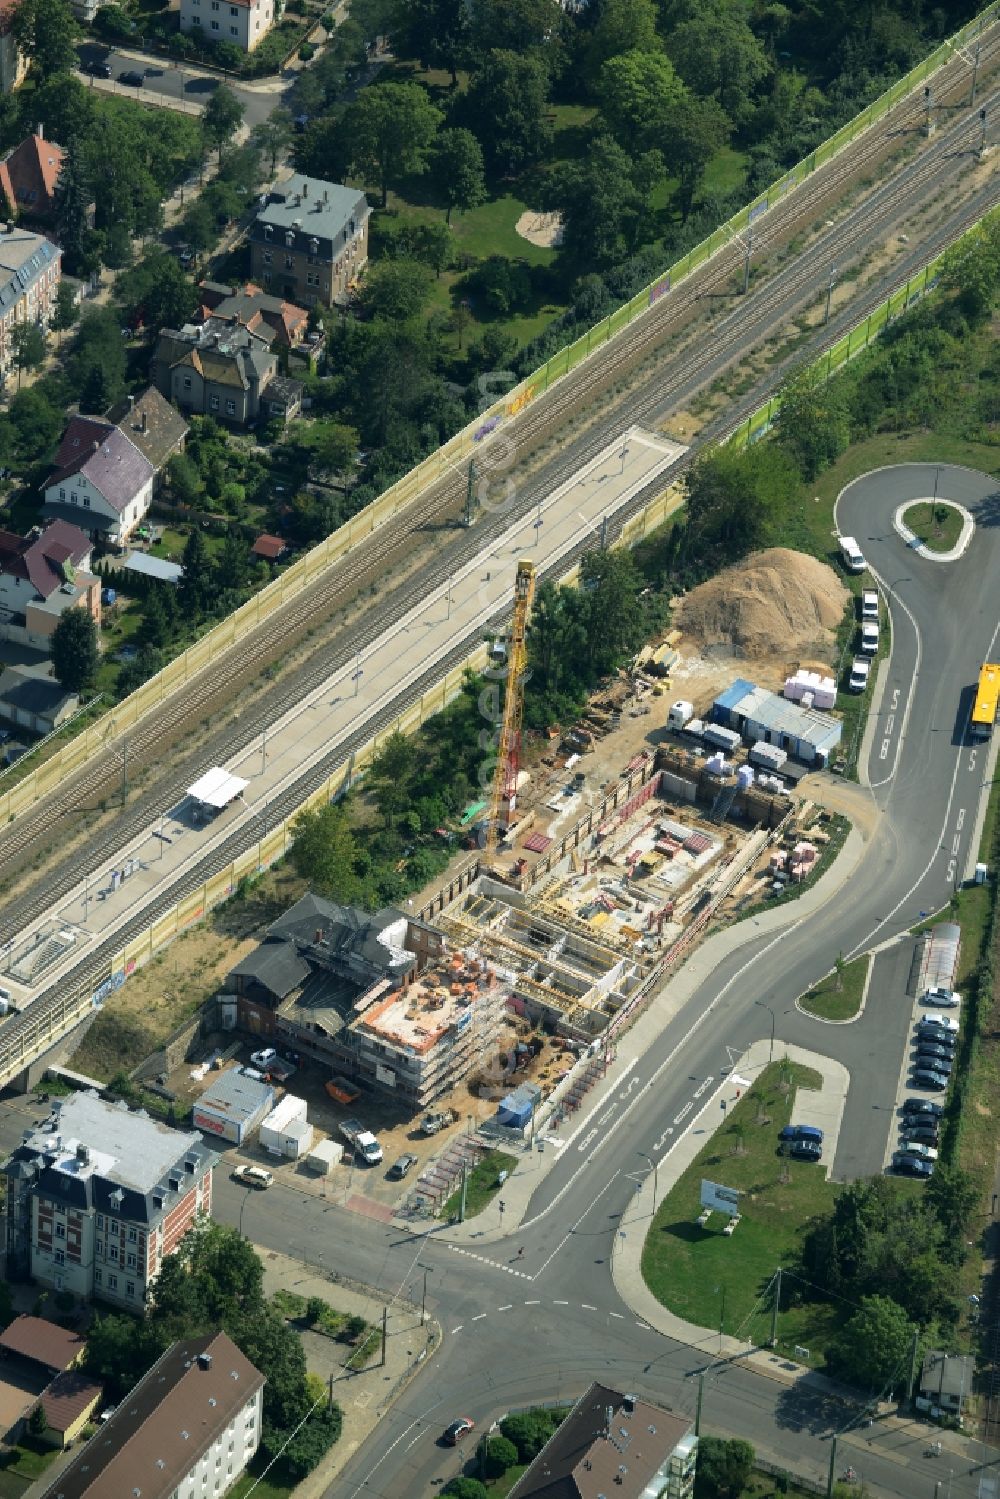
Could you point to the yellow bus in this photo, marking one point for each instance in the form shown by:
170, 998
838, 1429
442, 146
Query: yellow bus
984, 710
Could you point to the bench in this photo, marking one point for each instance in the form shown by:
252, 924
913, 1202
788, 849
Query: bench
703, 1219
730, 1227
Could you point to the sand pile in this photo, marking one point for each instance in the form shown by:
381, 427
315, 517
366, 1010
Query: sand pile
776, 603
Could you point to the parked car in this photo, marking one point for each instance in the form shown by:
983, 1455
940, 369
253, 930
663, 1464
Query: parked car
911, 1165
98, 69
253, 1176
930, 1078
263, 1058
947, 1023
860, 670
931, 1035
801, 1132
454, 1433
132, 78
923, 1106
909, 1146
430, 1124
946, 998
401, 1165
869, 603
936, 1056
924, 1134
869, 637
803, 1150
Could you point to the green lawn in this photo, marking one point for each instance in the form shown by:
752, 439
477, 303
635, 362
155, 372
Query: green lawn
489, 230
275, 1486
937, 525
838, 996
28, 1460
482, 1185
693, 1270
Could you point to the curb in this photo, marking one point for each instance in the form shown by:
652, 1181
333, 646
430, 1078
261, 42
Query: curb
916, 545
821, 1019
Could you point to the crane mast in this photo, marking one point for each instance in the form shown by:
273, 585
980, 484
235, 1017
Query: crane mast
504, 793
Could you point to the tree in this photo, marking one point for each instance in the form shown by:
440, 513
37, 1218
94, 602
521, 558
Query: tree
813, 422
396, 289
144, 664
66, 311
971, 269
155, 628
390, 128
325, 852
604, 202
528, 1431
461, 1487
731, 497
526, 27
874, 1348
233, 568
724, 1468
507, 101
499, 1455
391, 770
695, 131
38, 1423
718, 56
36, 423
274, 135
45, 31
156, 292
436, 32
74, 650
953, 1196
96, 363
332, 447
222, 117
459, 170
195, 586
622, 26
184, 480
73, 196
639, 93
27, 342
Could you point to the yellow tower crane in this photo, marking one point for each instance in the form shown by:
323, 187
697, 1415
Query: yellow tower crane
504, 792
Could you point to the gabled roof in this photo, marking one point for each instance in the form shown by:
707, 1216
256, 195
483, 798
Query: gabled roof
79, 437
114, 466
29, 689
24, 257
269, 547
42, 559
43, 1342
252, 308
176, 1412
69, 1396
150, 422
29, 174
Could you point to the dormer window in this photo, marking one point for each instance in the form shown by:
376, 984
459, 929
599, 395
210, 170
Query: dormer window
289, 236
268, 231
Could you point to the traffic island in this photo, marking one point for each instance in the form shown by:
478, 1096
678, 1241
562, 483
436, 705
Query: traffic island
936, 524
840, 997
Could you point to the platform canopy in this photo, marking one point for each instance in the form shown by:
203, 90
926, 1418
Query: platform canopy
217, 788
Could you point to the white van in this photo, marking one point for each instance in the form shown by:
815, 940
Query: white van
852, 555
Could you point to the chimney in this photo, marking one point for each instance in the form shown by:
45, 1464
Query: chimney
95, 446
40, 131
204, 1361
142, 421
131, 403
305, 189
628, 1404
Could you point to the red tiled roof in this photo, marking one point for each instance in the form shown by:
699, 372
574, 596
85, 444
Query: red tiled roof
67, 1397
44, 1342
29, 175
269, 547
79, 438
41, 559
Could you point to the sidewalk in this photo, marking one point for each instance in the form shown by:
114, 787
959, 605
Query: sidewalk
632, 1046
363, 1397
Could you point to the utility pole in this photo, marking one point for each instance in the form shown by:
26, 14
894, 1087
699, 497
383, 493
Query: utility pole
263, 750
982, 136
928, 107
329, 1398
423, 1299
975, 65
470, 495
829, 293
461, 1200
776, 1308
701, 1396
124, 771
746, 263
833, 1468
385, 1330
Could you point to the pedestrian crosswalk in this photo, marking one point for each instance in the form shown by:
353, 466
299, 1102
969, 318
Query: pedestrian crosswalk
508, 1269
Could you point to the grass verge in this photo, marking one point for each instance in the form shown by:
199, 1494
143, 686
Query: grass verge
482, 1185
938, 526
721, 1282
838, 996
316, 1315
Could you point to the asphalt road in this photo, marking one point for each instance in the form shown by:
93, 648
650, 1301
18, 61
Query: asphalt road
178, 81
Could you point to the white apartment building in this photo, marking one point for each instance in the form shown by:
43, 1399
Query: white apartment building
242, 23
30, 268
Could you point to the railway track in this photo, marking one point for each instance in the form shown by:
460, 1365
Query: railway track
740, 328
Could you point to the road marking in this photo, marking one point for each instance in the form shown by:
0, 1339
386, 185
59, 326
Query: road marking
633, 1084
479, 1316
456, 1329
532, 1303
606, 1116
585, 1305
702, 1086
643, 1325
505, 1308
585, 1142
602, 1103
960, 819
619, 1315
560, 1303
873, 785
684, 1112
413, 1441
572, 1229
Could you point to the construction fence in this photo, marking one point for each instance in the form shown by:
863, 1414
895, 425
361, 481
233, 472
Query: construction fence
29, 786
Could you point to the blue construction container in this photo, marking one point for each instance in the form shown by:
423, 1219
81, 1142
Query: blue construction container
517, 1108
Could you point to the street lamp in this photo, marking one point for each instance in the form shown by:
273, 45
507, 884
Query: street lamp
722, 1313
243, 1207
763, 1006
652, 1167
423, 1299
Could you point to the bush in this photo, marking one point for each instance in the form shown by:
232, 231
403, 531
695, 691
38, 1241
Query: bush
465, 1488
307, 52
528, 1431
315, 1307
500, 1454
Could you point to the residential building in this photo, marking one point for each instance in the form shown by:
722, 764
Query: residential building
187, 1430
155, 427
30, 267
41, 576
242, 23
946, 1381
33, 700
45, 1343
227, 372
377, 997
309, 241
13, 63
38, 1366
28, 177
614, 1444
268, 548
101, 481
69, 1403
249, 307
98, 1196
